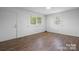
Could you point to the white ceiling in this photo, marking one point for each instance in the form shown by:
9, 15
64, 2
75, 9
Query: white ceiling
44, 11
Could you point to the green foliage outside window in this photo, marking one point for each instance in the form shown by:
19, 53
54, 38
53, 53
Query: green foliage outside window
35, 19
39, 20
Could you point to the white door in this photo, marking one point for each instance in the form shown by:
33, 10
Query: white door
7, 25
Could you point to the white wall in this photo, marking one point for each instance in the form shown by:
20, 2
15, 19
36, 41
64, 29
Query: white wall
24, 26
69, 24
7, 25
22, 17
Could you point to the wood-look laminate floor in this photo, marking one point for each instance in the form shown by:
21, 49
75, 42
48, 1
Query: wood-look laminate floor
42, 42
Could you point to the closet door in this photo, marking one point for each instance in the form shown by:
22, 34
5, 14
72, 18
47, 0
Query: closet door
7, 25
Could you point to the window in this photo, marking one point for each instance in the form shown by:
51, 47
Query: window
39, 20
35, 20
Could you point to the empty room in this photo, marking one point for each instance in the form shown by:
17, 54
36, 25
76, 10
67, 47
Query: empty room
39, 28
